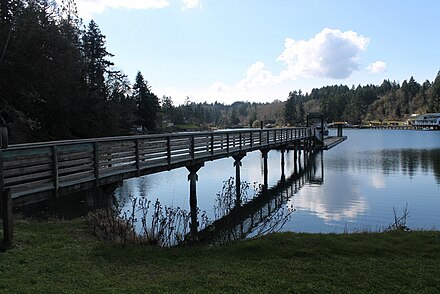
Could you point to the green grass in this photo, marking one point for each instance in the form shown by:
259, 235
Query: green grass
63, 257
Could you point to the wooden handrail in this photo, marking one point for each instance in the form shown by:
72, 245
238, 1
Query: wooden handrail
35, 168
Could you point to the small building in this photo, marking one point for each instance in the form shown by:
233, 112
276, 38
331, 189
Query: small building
374, 123
393, 123
427, 121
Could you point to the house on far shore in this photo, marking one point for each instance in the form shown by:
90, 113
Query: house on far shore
427, 121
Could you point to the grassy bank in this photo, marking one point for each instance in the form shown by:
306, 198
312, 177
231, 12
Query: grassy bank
58, 257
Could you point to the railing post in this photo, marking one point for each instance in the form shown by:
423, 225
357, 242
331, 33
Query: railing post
240, 137
295, 158
169, 151
212, 143
8, 228
138, 165
261, 135
4, 138
96, 162
192, 147
2, 182
55, 169
227, 143
251, 138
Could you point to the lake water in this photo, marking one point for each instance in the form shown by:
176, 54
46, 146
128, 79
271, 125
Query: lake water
354, 186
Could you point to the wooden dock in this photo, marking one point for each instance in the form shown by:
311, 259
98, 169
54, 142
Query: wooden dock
33, 172
330, 142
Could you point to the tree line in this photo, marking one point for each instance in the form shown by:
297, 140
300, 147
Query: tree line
388, 101
57, 81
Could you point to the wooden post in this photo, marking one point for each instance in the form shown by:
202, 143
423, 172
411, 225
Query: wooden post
2, 182
251, 139
283, 176
6, 196
192, 147
295, 159
192, 177
4, 139
212, 144
138, 166
55, 170
169, 151
339, 130
264, 153
96, 163
8, 232
237, 164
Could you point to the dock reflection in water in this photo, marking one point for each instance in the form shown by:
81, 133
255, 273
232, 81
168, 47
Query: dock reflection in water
259, 211
266, 212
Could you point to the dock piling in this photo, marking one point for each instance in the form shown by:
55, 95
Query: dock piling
193, 178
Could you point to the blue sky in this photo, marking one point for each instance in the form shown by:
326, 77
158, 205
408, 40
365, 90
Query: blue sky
255, 50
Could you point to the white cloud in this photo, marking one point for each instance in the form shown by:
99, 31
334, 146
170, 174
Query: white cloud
377, 67
188, 4
329, 54
87, 8
257, 76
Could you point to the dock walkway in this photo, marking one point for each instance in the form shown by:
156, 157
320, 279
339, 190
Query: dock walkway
330, 142
37, 171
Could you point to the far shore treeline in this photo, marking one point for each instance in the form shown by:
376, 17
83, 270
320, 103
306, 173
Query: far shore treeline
57, 81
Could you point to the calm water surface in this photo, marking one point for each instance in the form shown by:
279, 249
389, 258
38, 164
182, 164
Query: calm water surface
353, 186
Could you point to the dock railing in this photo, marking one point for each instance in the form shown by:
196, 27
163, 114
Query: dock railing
73, 165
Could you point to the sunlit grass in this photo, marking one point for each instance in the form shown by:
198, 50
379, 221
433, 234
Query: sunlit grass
63, 256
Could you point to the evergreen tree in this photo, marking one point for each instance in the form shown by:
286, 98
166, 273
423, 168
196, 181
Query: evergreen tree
95, 59
97, 117
434, 105
147, 103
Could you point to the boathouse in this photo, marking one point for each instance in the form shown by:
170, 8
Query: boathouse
427, 121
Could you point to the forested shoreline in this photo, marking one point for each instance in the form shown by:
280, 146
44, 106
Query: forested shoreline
57, 81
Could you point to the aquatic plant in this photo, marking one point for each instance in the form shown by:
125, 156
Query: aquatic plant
143, 223
399, 223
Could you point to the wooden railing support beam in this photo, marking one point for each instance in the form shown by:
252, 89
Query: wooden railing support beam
8, 229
